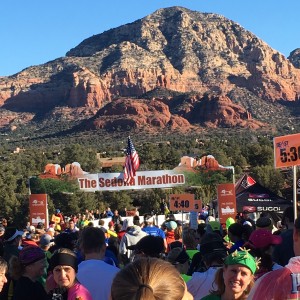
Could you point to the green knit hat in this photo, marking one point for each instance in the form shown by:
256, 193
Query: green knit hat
229, 221
242, 257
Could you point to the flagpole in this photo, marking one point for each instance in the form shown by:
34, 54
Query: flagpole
295, 190
233, 173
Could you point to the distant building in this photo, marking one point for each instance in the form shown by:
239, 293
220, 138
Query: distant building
108, 162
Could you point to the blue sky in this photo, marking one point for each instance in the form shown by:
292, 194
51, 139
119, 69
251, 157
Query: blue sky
36, 31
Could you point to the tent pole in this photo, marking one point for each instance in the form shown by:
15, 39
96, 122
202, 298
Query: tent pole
295, 190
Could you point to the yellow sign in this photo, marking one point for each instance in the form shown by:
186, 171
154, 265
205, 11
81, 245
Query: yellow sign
287, 150
55, 219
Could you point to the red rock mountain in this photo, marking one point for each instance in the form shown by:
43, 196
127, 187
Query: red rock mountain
216, 65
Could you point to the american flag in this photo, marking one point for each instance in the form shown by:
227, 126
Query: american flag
132, 161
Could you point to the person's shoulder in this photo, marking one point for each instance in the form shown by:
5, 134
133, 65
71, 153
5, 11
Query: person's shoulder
96, 264
211, 297
79, 290
272, 275
195, 279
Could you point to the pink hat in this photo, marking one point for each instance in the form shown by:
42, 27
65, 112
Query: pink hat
261, 238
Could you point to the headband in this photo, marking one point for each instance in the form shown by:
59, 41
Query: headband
63, 259
242, 258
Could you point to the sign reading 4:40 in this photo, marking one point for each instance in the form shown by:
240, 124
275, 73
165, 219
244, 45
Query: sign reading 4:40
185, 202
287, 151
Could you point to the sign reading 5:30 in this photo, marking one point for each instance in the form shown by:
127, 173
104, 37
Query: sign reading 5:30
287, 150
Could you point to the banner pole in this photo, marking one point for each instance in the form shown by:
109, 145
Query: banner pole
295, 190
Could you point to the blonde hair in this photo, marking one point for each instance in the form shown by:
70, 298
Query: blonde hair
178, 232
148, 279
219, 282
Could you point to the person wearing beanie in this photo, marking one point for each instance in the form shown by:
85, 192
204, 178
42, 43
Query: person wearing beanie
236, 278
64, 266
264, 223
213, 252
25, 270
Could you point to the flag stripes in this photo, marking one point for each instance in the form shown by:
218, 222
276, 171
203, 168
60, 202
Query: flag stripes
132, 161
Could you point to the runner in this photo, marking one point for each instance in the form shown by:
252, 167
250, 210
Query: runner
3, 270
148, 246
149, 278
284, 251
235, 279
213, 252
151, 229
130, 238
63, 265
261, 242
284, 283
180, 260
235, 235
93, 272
26, 269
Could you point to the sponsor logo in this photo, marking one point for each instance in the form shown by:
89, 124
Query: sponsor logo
226, 193
227, 210
259, 200
36, 202
261, 195
270, 208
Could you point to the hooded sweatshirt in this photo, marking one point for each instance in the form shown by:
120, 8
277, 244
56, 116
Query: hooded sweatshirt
131, 238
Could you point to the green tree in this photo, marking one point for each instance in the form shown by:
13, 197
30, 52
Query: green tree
269, 177
87, 157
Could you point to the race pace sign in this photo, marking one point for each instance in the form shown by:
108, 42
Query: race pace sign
185, 202
287, 151
142, 180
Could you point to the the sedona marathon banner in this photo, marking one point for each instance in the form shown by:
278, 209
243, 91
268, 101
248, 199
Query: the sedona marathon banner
142, 180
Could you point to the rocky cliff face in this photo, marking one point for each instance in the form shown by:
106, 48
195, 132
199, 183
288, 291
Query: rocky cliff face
173, 48
295, 58
183, 116
138, 113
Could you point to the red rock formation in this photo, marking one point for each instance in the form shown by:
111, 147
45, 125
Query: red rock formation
128, 113
220, 111
173, 48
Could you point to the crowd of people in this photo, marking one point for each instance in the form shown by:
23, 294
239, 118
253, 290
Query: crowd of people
84, 257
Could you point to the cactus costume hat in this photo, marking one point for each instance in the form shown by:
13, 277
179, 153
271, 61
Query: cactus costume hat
244, 258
